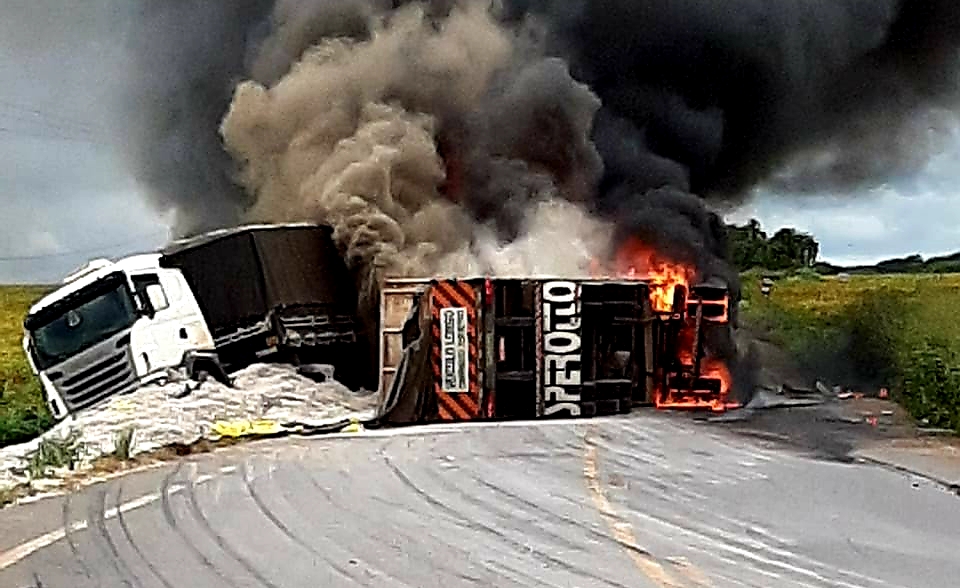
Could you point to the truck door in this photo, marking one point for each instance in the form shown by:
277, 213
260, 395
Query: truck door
166, 336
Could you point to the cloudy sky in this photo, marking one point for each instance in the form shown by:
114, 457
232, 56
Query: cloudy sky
65, 196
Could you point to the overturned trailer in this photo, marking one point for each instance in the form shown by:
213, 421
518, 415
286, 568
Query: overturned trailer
481, 348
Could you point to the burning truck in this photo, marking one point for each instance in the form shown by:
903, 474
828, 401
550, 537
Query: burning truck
426, 133
523, 348
448, 349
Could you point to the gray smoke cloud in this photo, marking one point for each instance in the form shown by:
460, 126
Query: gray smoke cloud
433, 131
187, 55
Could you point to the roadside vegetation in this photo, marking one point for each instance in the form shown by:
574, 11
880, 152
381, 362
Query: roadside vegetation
54, 453
23, 414
901, 332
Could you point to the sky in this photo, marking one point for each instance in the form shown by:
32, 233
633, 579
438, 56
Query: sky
66, 197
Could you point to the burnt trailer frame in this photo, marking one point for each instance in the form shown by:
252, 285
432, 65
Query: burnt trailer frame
524, 348
271, 290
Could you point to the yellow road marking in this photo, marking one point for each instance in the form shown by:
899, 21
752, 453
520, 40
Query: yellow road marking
623, 532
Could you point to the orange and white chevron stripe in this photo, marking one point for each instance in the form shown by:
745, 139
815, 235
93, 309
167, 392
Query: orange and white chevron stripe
456, 405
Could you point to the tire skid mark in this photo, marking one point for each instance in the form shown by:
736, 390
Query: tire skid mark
491, 530
221, 542
746, 555
133, 544
622, 531
495, 567
708, 532
716, 533
171, 519
68, 532
502, 512
555, 516
327, 495
453, 571
281, 526
96, 513
743, 552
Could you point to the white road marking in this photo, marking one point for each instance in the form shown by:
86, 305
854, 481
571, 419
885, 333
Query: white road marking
18, 553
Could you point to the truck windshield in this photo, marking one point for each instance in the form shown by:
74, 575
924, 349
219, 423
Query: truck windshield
80, 320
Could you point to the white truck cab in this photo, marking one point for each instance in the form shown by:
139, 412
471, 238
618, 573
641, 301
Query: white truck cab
110, 328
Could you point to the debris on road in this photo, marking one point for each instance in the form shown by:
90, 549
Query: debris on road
766, 399
267, 399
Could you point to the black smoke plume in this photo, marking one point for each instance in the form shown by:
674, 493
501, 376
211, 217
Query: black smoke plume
688, 103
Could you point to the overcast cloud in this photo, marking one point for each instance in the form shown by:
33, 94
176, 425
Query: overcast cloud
65, 196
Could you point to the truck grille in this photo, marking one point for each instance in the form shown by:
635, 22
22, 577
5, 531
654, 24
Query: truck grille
106, 378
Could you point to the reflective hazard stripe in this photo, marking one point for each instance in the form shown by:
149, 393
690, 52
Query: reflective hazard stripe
455, 405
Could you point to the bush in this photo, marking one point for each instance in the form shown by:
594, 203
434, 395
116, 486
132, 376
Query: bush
898, 332
123, 444
929, 386
54, 452
876, 330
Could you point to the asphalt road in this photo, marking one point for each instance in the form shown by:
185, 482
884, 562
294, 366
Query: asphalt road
647, 500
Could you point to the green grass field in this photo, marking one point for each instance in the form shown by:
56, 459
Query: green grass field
22, 412
899, 331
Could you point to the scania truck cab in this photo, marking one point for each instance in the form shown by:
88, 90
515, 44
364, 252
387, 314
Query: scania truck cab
112, 327
212, 303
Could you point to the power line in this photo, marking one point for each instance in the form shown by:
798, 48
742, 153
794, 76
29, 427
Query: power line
49, 117
90, 251
52, 136
41, 123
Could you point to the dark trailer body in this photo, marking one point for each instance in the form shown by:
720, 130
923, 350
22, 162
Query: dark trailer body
271, 291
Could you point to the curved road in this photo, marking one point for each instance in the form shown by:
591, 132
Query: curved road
647, 500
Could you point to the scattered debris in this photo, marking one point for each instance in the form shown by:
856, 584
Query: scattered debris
263, 393
244, 428
766, 399
318, 372
354, 427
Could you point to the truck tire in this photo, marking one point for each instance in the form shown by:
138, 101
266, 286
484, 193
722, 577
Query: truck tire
205, 365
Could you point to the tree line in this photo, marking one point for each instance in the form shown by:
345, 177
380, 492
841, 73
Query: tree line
751, 247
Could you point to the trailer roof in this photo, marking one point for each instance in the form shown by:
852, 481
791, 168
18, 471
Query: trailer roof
179, 245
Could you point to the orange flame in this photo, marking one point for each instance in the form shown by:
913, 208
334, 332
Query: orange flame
710, 369
637, 260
